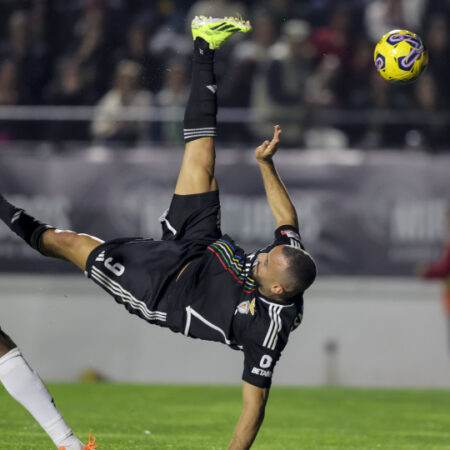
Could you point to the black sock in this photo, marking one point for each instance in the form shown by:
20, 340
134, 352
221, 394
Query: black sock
25, 226
201, 109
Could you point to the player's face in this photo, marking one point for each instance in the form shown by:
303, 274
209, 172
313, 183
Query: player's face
269, 268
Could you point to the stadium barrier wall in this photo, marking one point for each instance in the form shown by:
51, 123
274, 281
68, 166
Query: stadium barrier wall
355, 332
361, 213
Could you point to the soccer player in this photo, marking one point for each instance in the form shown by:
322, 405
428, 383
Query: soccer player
440, 270
196, 280
24, 384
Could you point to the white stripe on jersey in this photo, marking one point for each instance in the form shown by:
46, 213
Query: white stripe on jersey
295, 243
273, 343
191, 312
115, 288
274, 328
269, 331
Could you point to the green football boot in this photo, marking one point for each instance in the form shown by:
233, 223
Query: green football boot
217, 31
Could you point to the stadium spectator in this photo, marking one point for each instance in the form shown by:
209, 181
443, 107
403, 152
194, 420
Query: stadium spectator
378, 132
263, 36
282, 10
335, 38
321, 92
93, 54
433, 130
322, 85
30, 57
67, 89
9, 95
355, 89
382, 16
438, 44
280, 91
174, 93
137, 49
36, 35
107, 125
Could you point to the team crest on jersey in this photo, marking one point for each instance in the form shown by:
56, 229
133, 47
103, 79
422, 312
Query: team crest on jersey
246, 307
290, 234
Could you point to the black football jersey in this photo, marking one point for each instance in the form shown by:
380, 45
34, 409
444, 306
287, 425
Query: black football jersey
222, 303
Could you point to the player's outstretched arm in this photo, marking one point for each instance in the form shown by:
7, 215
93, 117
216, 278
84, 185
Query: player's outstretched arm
254, 399
277, 195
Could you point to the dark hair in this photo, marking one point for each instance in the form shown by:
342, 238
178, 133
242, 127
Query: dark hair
300, 272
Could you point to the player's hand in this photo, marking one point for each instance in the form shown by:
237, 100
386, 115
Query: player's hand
267, 149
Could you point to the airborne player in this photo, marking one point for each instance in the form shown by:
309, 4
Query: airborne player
196, 280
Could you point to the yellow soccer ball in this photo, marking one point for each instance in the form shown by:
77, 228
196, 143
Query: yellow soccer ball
400, 56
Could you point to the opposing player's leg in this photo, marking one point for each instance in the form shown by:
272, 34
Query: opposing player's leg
197, 170
72, 247
25, 386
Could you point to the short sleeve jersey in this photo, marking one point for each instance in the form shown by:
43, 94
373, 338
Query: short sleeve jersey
223, 304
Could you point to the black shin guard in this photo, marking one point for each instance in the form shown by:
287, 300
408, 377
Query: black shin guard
201, 109
24, 225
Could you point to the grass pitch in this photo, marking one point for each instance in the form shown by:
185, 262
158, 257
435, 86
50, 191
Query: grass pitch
191, 417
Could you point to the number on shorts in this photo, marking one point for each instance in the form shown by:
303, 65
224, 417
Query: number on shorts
116, 268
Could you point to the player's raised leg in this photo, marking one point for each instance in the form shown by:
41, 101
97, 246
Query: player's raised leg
197, 170
24, 385
66, 245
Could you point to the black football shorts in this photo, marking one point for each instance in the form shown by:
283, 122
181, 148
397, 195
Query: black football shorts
195, 217
137, 271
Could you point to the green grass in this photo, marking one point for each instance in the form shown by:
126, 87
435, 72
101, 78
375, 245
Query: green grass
191, 417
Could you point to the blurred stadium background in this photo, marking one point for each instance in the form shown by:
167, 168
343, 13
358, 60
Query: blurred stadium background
91, 102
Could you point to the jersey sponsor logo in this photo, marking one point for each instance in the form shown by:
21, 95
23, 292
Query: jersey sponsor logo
290, 234
262, 372
247, 307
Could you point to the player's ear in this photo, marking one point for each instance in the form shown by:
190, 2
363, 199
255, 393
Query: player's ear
277, 289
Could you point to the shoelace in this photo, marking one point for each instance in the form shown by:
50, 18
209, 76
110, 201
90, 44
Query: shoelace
91, 442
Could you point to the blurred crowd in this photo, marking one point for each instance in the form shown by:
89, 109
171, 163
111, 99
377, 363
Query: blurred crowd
307, 64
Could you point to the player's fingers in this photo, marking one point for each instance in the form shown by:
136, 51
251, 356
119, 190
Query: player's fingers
263, 146
276, 134
277, 130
